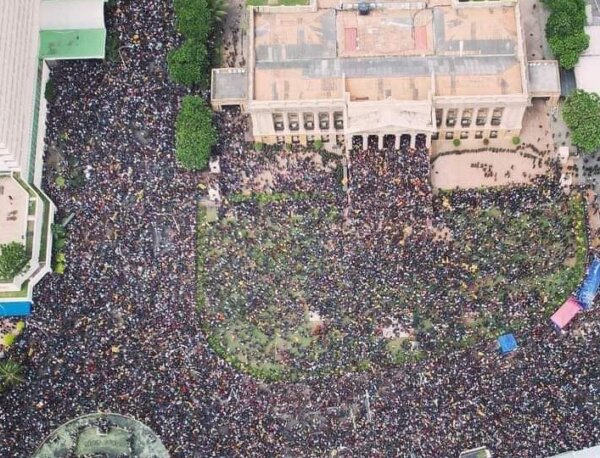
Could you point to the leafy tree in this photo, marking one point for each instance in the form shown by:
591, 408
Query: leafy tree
50, 91
581, 112
563, 23
565, 30
11, 373
195, 134
189, 64
567, 49
195, 18
13, 260
112, 46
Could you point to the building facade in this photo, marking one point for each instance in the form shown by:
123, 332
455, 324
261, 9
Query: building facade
33, 32
383, 74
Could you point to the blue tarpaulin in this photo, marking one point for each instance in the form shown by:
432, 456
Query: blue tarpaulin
507, 343
15, 308
591, 283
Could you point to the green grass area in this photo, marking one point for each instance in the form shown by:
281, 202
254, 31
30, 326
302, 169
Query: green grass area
272, 260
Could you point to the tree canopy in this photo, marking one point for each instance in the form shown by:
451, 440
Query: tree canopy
195, 134
189, 64
13, 260
565, 30
196, 20
581, 112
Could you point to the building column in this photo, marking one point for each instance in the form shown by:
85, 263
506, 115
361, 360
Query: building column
428, 140
397, 141
380, 142
364, 142
348, 142
444, 114
413, 140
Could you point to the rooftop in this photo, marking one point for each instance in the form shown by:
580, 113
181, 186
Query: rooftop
229, 84
72, 44
401, 52
543, 77
14, 201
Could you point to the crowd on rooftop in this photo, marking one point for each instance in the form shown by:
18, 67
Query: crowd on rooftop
119, 331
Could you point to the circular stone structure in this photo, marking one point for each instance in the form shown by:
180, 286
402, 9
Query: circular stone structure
106, 435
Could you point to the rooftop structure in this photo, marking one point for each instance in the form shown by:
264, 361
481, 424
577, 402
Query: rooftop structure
544, 78
102, 434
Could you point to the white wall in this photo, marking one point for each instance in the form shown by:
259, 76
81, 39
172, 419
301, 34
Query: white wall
19, 37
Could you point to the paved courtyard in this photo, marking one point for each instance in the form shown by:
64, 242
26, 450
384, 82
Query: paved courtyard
474, 170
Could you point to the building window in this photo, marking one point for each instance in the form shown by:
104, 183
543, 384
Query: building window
324, 121
479, 134
278, 121
309, 121
338, 120
295, 139
449, 135
465, 119
493, 134
293, 121
280, 140
482, 115
497, 116
310, 139
464, 134
451, 118
325, 138
339, 140
439, 114
435, 135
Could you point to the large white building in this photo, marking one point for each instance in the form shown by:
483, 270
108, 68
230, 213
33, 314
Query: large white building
426, 70
33, 32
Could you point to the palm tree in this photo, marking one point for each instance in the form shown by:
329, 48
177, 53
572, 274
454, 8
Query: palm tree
219, 9
11, 373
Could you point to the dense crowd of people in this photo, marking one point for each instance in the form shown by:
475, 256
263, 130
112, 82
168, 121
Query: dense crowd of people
292, 253
119, 330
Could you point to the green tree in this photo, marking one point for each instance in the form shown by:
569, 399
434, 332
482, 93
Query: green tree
11, 373
50, 91
567, 49
189, 64
565, 30
13, 260
112, 46
195, 19
581, 112
563, 23
195, 134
